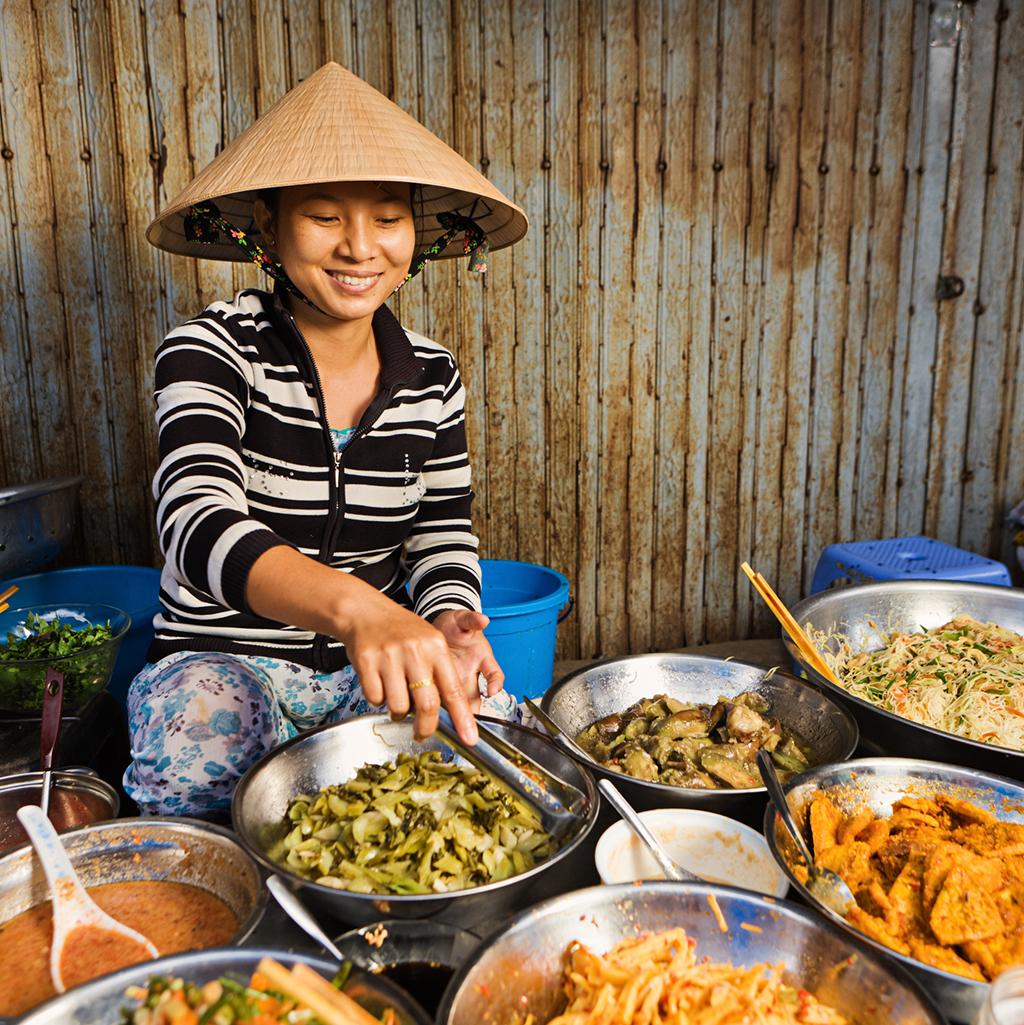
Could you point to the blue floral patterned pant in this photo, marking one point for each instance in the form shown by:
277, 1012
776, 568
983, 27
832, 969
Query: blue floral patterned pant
198, 720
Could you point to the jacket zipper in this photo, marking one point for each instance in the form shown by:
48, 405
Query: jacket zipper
336, 492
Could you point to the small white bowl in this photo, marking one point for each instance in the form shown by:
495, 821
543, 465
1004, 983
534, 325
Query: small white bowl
718, 849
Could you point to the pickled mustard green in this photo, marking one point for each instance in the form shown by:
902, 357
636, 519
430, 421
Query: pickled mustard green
417, 825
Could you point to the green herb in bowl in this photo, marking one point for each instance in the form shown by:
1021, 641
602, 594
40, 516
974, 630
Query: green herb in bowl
80, 641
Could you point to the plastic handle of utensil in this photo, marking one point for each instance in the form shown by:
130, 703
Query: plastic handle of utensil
299, 914
625, 809
778, 796
53, 705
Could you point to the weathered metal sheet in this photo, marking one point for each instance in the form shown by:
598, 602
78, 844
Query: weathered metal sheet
721, 339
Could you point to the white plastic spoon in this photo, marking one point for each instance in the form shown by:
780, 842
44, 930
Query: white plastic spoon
73, 908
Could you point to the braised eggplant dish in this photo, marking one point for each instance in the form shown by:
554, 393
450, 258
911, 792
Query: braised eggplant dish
706, 747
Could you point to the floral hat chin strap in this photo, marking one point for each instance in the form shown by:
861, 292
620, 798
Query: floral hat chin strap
205, 224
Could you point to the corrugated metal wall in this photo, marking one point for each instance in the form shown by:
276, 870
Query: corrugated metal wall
722, 338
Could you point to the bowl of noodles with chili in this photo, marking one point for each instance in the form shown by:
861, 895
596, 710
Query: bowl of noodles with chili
922, 665
663, 951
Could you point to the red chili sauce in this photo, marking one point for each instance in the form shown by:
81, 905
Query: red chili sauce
174, 916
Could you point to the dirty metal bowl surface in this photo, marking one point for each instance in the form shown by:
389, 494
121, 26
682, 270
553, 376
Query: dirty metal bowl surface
175, 850
524, 959
877, 783
909, 606
99, 1002
582, 697
333, 754
36, 521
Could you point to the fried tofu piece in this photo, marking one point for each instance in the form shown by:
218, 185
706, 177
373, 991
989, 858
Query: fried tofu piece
999, 839
963, 911
851, 861
945, 959
965, 811
905, 914
877, 929
875, 834
937, 866
852, 827
825, 818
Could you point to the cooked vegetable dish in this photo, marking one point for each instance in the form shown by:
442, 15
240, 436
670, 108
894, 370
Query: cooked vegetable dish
65, 647
963, 677
941, 880
416, 825
664, 740
272, 996
660, 980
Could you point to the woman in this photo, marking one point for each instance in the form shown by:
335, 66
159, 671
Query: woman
314, 487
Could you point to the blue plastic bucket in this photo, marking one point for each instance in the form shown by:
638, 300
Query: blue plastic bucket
524, 602
135, 589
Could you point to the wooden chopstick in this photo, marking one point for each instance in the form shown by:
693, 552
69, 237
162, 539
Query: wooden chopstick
4, 603
332, 1009
791, 626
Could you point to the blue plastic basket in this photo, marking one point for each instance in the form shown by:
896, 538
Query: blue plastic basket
525, 604
905, 558
135, 589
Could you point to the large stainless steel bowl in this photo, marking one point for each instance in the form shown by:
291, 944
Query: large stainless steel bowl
36, 521
99, 1002
519, 967
909, 606
581, 698
878, 783
122, 850
333, 754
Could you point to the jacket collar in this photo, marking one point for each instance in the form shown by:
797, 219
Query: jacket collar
399, 363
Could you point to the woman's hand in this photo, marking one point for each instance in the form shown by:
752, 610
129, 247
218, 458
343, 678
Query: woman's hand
463, 630
406, 662
401, 659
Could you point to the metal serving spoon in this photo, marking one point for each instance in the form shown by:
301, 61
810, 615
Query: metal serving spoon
556, 733
299, 914
672, 871
73, 908
822, 883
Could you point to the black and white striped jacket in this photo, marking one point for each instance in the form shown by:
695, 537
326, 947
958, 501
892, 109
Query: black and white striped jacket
247, 463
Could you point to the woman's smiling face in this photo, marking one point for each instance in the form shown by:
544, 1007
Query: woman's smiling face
345, 245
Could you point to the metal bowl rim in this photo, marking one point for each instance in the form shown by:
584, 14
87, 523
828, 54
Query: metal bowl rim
887, 587
187, 825
913, 765
115, 638
694, 792
67, 779
402, 898
215, 955
626, 891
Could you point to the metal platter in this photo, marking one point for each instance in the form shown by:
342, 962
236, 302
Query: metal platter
333, 754
518, 968
877, 783
855, 612
582, 697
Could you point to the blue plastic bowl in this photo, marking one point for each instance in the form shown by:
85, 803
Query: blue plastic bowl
136, 589
86, 671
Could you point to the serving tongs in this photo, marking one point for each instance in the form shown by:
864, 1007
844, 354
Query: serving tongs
558, 803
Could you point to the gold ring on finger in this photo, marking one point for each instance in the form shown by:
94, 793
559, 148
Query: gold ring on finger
416, 684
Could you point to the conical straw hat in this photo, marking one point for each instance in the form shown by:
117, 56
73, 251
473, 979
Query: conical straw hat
333, 127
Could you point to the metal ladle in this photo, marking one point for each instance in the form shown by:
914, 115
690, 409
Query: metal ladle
822, 883
672, 871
